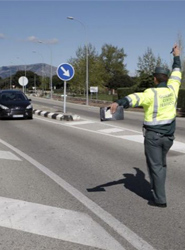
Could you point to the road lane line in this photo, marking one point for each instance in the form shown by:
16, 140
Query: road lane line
54, 222
115, 224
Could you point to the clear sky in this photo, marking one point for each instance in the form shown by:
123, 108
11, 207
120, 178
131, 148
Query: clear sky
131, 25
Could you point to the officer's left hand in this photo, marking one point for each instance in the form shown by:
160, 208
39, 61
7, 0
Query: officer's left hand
113, 107
176, 50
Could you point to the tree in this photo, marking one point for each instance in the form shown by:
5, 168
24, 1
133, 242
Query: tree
95, 70
106, 70
146, 66
112, 59
149, 61
120, 80
57, 82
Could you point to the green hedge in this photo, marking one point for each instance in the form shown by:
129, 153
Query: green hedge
181, 99
124, 92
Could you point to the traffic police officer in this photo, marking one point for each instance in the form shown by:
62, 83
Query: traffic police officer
159, 105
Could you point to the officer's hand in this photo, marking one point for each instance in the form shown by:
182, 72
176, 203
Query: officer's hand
176, 50
113, 107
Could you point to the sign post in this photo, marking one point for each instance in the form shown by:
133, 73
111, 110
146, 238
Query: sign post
65, 72
23, 81
94, 90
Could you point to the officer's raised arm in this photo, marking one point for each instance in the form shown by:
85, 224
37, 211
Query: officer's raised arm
176, 50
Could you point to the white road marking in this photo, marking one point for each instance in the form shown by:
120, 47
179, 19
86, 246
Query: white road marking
8, 155
80, 123
56, 223
135, 138
177, 146
110, 130
116, 225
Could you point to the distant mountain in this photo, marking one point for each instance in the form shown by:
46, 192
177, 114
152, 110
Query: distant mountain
39, 68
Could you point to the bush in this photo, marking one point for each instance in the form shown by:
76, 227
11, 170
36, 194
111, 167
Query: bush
124, 92
181, 99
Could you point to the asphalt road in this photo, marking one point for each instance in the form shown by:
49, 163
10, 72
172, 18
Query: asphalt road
84, 185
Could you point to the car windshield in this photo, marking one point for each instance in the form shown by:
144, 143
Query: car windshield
9, 97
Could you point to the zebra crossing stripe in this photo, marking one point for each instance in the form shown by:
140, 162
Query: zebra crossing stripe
54, 222
110, 130
177, 146
8, 156
80, 123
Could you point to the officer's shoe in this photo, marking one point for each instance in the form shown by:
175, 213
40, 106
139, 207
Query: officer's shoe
155, 204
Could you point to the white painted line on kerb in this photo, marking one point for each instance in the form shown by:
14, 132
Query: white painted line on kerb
8, 156
50, 114
37, 111
120, 228
56, 223
43, 113
58, 117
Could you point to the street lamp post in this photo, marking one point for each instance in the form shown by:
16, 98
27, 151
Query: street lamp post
51, 80
87, 63
11, 75
42, 63
24, 65
24, 71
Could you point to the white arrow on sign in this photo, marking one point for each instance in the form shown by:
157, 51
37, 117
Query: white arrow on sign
66, 72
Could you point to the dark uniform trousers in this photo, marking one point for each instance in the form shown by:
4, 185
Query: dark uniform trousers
156, 149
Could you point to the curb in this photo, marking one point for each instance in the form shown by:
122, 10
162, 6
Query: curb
56, 116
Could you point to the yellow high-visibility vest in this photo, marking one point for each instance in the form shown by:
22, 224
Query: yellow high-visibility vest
159, 103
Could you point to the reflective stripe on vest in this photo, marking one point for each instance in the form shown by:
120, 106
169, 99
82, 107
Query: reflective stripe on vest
155, 105
137, 98
176, 77
171, 87
163, 122
130, 100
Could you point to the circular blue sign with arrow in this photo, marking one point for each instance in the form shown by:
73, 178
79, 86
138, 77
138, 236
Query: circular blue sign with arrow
65, 71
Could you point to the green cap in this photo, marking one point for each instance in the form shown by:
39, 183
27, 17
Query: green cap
159, 70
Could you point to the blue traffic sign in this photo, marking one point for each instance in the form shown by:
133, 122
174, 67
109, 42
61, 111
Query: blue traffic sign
65, 71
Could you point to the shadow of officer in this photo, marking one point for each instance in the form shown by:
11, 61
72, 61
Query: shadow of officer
135, 183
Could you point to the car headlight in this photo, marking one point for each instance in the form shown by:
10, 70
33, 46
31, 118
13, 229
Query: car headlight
3, 107
29, 106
